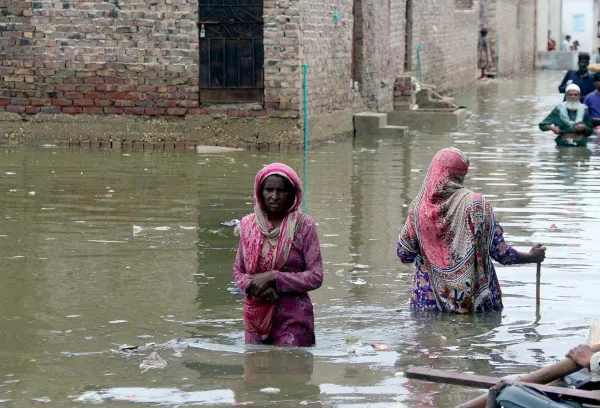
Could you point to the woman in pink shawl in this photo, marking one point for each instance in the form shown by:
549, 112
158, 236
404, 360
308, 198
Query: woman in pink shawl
278, 261
452, 235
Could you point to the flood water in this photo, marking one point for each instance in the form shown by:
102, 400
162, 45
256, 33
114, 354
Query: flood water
106, 248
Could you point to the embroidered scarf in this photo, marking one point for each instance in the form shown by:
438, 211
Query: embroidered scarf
453, 227
564, 114
266, 248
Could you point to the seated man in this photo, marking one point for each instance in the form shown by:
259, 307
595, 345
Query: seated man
592, 101
570, 120
580, 77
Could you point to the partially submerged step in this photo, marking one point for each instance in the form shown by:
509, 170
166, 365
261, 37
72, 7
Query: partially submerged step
369, 123
394, 130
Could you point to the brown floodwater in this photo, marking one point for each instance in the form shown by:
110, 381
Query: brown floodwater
101, 249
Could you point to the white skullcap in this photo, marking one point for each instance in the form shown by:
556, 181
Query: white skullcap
572, 87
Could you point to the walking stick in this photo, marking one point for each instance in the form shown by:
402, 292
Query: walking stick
538, 275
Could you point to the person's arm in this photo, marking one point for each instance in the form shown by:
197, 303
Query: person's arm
312, 277
550, 120
563, 84
585, 357
240, 277
589, 125
407, 247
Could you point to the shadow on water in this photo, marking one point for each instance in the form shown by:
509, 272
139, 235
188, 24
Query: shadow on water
106, 248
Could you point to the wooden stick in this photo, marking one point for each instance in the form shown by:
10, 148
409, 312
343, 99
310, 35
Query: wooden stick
544, 375
482, 381
538, 275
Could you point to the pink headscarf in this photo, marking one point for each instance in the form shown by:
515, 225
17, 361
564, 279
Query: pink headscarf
257, 235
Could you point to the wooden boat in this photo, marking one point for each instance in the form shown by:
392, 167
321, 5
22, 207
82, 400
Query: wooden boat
543, 380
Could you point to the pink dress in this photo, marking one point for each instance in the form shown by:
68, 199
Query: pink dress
293, 321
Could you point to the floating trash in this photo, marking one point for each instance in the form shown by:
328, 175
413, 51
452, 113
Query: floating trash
359, 282
183, 227
270, 390
43, 400
381, 347
159, 396
233, 223
31, 193
117, 321
154, 361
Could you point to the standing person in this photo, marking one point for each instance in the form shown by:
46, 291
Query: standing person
570, 120
575, 45
565, 45
278, 262
592, 101
452, 235
484, 52
551, 42
580, 77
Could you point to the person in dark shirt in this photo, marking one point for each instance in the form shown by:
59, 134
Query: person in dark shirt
592, 100
580, 77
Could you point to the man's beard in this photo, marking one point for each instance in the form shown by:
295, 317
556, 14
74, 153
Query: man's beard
572, 105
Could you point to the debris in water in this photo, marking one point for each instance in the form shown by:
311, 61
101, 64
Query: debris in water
73, 316
443, 338
183, 227
43, 400
553, 227
349, 339
359, 281
380, 346
31, 193
270, 390
117, 321
137, 229
154, 361
399, 374
233, 223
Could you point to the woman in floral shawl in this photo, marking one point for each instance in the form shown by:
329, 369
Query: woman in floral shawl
278, 261
451, 234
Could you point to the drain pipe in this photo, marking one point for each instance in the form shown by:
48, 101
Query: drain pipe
497, 55
419, 48
305, 105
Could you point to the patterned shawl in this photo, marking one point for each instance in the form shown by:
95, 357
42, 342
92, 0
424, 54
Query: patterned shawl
266, 248
564, 114
454, 227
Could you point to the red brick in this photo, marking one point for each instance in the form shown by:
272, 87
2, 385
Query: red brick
31, 109
237, 113
103, 102
4, 102
50, 109
93, 80
217, 113
126, 88
93, 110
197, 111
113, 111
133, 111
259, 113
106, 88
20, 101
83, 102
73, 95
62, 102
116, 95
95, 95
188, 104
166, 103
72, 109
113, 81
15, 108
176, 111
41, 102
154, 111
124, 103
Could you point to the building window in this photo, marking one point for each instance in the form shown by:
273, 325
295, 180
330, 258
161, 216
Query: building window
464, 4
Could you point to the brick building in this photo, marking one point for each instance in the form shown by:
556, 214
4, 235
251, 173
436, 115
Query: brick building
245, 57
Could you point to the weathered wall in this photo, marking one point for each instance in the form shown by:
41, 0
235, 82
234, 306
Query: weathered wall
134, 57
515, 21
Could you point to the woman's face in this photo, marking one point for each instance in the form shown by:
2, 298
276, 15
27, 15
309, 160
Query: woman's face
277, 195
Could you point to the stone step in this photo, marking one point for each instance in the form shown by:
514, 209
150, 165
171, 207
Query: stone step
369, 122
392, 130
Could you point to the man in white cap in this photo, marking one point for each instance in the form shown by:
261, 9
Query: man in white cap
570, 120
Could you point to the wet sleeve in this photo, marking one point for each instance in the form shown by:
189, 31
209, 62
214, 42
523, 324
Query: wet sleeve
407, 248
595, 366
240, 277
549, 120
500, 250
312, 277
589, 125
563, 84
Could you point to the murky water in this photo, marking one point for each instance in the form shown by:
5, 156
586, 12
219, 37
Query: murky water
102, 249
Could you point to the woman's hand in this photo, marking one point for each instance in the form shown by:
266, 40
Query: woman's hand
260, 283
580, 127
537, 253
270, 296
581, 355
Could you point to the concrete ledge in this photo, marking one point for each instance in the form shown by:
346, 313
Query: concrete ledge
369, 123
436, 119
556, 60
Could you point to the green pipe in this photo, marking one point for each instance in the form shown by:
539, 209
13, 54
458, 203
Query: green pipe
304, 102
419, 48
497, 55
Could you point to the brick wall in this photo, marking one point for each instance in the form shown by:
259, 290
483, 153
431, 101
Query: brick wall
133, 57
514, 20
